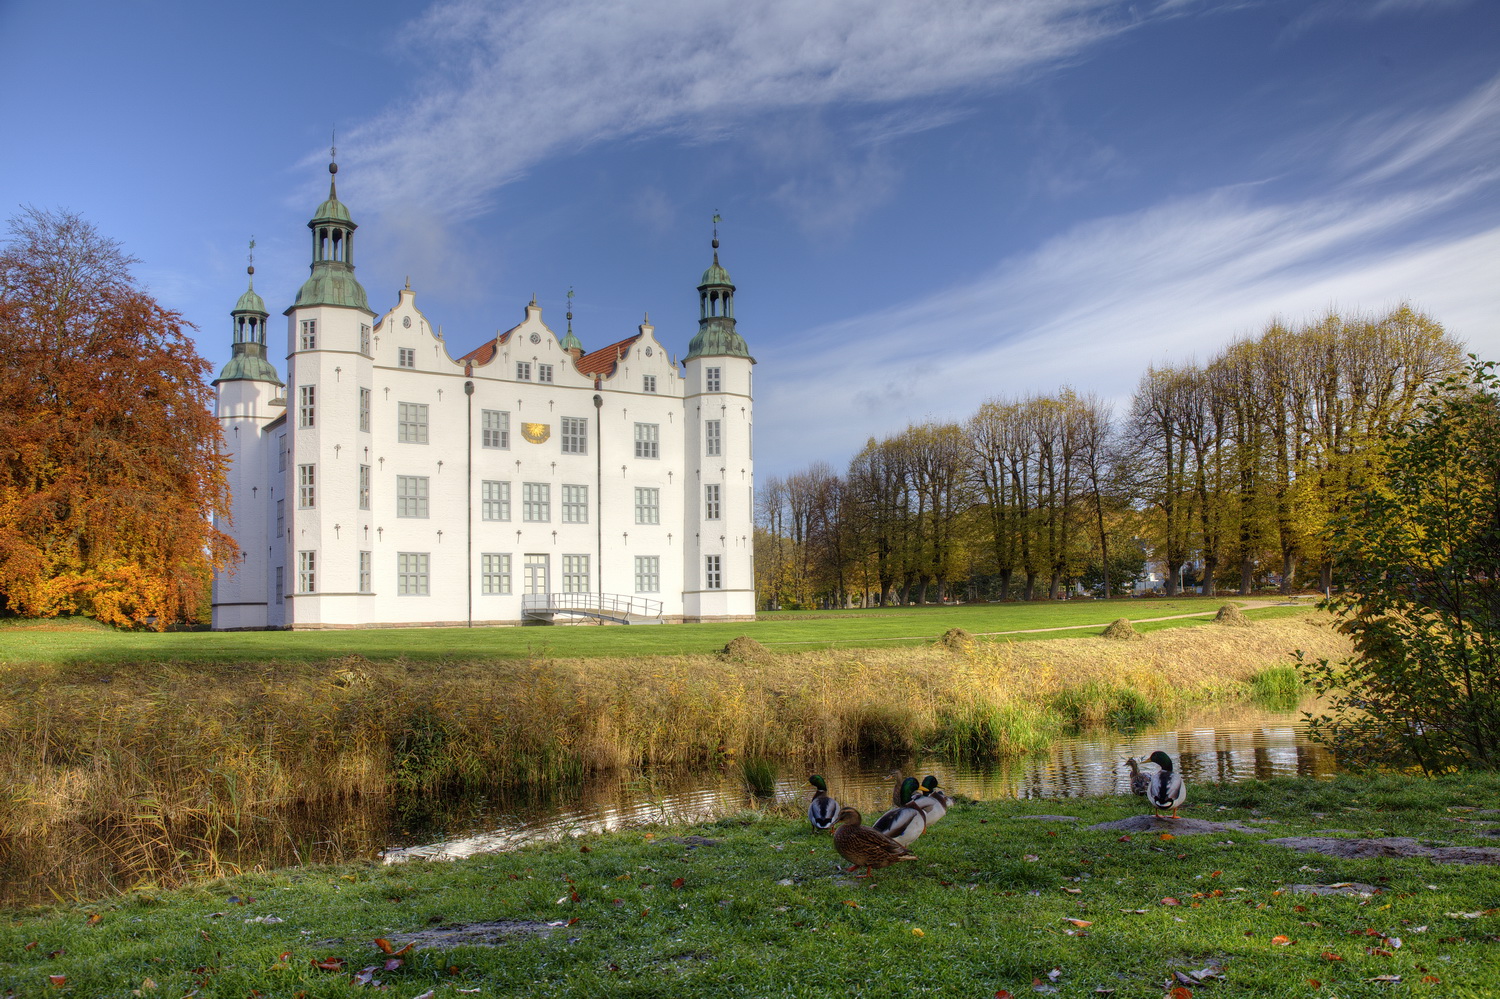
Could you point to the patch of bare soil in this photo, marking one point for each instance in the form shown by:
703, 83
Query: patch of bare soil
1180, 826
1050, 818
1357, 889
489, 934
1389, 846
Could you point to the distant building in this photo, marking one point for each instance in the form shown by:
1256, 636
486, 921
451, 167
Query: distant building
387, 483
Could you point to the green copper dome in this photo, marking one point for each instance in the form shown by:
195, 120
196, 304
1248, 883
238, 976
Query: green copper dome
715, 275
717, 337
249, 366
571, 342
332, 283
332, 210
250, 302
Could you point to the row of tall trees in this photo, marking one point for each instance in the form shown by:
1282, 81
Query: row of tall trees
1223, 475
111, 463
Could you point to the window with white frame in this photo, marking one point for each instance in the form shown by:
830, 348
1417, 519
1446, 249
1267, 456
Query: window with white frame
523, 371
648, 574
281, 453
364, 409
306, 410
647, 505
366, 563
711, 496
411, 574
544, 373
575, 435
575, 573
309, 335
536, 502
494, 574
575, 504
713, 572
411, 496
364, 338
648, 383
411, 422
406, 357
713, 438
364, 487
712, 376
494, 500
494, 428
307, 572
307, 482
280, 517
648, 440
280, 584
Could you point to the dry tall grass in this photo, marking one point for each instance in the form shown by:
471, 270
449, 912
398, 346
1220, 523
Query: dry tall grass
175, 751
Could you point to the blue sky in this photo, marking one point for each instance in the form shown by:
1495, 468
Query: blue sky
925, 204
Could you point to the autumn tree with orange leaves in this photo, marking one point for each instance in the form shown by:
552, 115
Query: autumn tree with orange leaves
111, 462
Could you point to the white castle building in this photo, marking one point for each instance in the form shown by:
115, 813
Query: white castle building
387, 483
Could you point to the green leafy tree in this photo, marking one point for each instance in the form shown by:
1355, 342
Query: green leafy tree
1422, 553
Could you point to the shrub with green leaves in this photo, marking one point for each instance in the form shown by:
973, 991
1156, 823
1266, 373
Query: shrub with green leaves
1422, 546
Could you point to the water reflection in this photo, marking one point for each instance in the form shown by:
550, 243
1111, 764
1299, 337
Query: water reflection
1230, 744
74, 862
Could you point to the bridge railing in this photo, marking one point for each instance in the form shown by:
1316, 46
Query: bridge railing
604, 604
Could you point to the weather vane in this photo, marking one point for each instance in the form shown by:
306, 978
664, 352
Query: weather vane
333, 149
717, 219
252, 251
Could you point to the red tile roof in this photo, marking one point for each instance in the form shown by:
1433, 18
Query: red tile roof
601, 363
485, 352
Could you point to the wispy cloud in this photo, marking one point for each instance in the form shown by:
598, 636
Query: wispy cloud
514, 84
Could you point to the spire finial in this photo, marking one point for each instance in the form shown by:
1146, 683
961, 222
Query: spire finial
251, 268
570, 308
408, 282
717, 219
333, 166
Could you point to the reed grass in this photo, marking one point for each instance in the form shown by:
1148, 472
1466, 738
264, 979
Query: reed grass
1279, 688
183, 760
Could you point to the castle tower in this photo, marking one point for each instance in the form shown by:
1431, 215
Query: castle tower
247, 398
719, 567
327, 542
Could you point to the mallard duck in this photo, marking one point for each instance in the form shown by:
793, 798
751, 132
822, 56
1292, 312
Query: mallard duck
823, 811
903, 789
1166, 789
1139, 782
863, 846
905, 822
933, 802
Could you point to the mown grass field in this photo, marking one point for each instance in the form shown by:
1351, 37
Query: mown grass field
24, 642
1000, 903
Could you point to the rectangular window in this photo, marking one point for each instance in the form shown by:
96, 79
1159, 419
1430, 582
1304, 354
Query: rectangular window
281, 453
406, 357
280, 517
648, 383
544, 373
411, 496
575, 504
495, 574
411, 422
306, 409
495, 500
713, 572
365, 563
309, 338
714, 381
647, 440
647, 505
364, 338
713, 438
364, 487
307, 572
307, 493
523, 371
494, 429
536, 502
411, 574
575, 573
364, 409
711, 496
648, 574
280, 583
575, 435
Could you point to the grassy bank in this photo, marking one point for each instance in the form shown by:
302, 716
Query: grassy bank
178, 762
753, 905
80, 642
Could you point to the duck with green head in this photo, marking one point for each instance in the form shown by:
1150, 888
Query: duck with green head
905, 822
823, 811
1165, 789
933, 801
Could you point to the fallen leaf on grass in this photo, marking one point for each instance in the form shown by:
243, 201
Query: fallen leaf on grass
427, 995
1135, 912
385, 947
329, 964
678, 882
1169, 900
1031, 857
1079, 922
1003, 994
852, 904
1379, 952
1179, 992
1280, 941
1073, 891
1329, 955
1168, 837
95, 919
1315, 983
58, 981
1431, 979
917, 932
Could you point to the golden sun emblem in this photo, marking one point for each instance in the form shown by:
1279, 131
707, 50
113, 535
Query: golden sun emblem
536, 433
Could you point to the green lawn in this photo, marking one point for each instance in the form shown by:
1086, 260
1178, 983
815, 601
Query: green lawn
998, 903
783, 630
